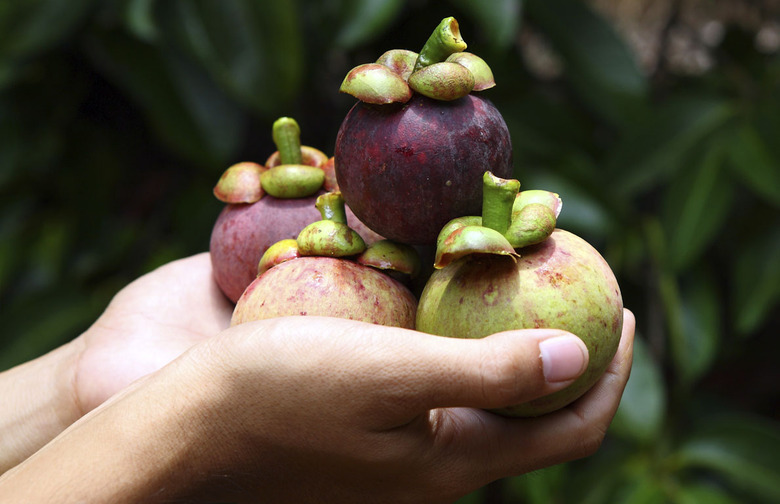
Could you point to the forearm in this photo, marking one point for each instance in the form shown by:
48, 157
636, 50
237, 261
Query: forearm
38, 403
147, 444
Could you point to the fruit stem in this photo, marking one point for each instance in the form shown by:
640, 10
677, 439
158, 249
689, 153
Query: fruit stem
331, 236
332, 207
444, 41
498, 195
287, 137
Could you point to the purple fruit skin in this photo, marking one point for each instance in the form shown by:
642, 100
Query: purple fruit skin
243, 232
406, 170
329, 287
561, 283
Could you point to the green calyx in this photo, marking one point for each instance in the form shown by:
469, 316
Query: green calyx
442, 70
295, 172
240, 183
292, 171
444, 81
392, 256
376, 83
510, 220
483, 75
289, 181
331, 236
399, 61
279, 252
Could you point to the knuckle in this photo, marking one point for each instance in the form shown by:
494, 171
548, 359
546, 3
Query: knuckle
591, 438
500, 371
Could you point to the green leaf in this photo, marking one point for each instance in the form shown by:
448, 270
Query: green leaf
642, 409
8, 73
185, 107
476, 497
498, 20
254, 50
14, 218
139, 18
697, 204
699, 493
744, 450
660, 142
696, 347
598, 63
643, 490
537, 487
364, 20
31, 333
754, 164
756, 280
598, 479
31, 26
543, 129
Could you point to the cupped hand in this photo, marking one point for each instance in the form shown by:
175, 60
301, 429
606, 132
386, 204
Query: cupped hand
149, 323
307, 409
325, 410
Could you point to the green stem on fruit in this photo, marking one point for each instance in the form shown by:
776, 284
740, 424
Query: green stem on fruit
331, 236
501, 229
332, 207
498, 195
444, 41
287, 137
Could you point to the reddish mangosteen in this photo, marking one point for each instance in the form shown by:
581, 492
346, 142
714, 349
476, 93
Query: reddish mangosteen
268, 203
511, 269
411, 153
329, 271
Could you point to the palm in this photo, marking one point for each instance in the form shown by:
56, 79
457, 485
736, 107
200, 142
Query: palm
148, 324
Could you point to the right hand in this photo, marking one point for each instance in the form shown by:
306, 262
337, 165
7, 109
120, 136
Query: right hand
338, 410
307, 409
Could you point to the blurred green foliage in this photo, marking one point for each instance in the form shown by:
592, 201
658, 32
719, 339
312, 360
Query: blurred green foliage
117, 117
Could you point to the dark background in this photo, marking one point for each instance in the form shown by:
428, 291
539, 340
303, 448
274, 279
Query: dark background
658, 123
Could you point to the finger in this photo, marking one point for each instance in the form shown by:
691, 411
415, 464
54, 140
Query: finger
407, 373
508, 446
173, 289
502, 369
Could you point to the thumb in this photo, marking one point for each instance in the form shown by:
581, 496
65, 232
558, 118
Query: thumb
403, 373
502, 369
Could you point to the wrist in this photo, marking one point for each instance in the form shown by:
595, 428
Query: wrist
154, 441
39, 403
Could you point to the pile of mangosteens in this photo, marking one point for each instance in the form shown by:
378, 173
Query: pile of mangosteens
422, 167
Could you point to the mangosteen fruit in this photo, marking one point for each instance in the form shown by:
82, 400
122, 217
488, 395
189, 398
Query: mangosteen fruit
410, 154
268, 203
329, 271
512, 269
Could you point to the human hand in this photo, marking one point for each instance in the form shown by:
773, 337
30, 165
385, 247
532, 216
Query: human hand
312, 409
149, 323
342, 411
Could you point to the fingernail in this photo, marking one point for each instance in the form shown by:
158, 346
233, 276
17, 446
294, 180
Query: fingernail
563, 358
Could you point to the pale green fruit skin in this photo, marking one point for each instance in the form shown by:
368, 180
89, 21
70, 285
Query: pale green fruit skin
328, 287
562, 283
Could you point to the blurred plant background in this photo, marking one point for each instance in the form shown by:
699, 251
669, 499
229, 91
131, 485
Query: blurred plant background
658, 122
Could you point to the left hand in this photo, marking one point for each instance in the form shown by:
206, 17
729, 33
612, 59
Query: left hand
149, 323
